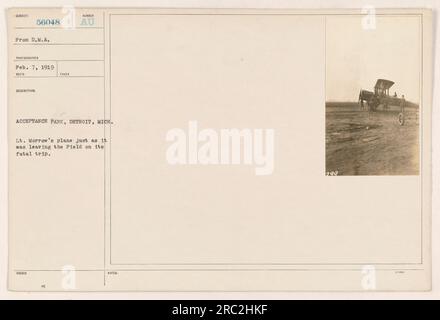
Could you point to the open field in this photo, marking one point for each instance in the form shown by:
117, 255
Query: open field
371, 143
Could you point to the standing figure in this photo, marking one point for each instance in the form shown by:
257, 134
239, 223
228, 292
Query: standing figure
402, 103
401, 118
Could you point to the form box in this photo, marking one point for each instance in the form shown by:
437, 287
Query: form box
59, 68
81, 68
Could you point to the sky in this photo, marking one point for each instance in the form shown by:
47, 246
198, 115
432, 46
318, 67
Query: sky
356, 58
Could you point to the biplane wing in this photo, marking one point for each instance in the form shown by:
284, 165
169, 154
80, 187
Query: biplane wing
383, 84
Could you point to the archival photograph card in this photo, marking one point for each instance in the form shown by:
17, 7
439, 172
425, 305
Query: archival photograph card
219, 149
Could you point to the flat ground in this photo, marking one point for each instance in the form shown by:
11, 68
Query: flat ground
371, 143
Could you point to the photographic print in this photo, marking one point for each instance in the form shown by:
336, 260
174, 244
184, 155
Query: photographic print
373, 73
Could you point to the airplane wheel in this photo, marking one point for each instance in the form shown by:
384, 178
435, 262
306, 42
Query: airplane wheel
401, 119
